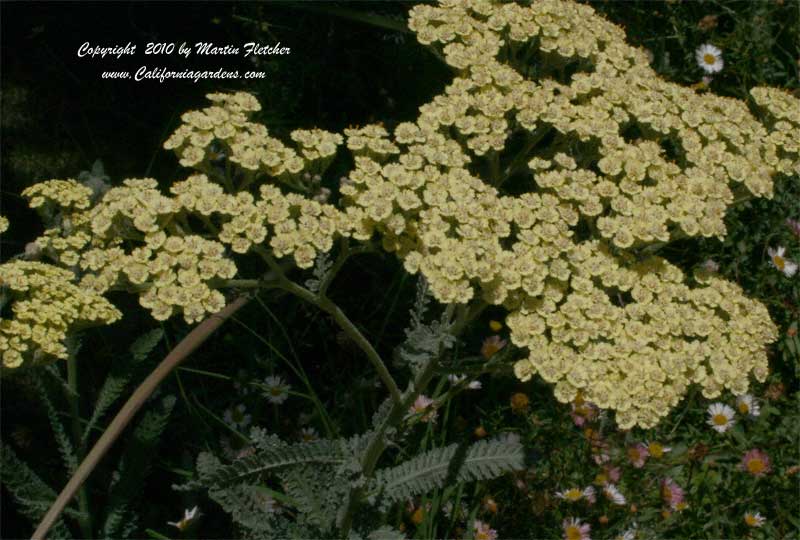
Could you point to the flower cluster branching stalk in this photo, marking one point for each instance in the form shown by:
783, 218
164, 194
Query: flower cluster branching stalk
325, 304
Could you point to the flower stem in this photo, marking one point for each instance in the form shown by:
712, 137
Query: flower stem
85, 521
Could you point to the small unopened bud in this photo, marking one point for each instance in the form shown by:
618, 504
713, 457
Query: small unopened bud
322, 195
32, 251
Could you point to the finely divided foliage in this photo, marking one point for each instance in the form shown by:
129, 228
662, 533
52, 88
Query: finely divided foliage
619, 163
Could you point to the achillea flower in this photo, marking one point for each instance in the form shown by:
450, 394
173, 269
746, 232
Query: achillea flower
754, 519
755, 462
672, 494
425, 406
720, 417
746, 404
491, 345
575, 530
638, 455
483, 531
188, 517
789, 268
277, 389
709, 58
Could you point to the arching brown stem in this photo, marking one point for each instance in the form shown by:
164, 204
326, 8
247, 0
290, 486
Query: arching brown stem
193, 340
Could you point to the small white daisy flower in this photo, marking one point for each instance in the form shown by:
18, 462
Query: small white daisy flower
709, 58
188, 516
789, 268
237, 417
720, 417
309, 434
458, 379
575, 494
614, 494
277, 389
754, 519
747, 405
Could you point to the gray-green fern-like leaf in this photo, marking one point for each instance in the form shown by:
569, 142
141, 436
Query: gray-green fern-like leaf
270, 459
32, 495
423, 341
133, 469
483, 460
317, 493
250, 507
121, 373
62, 439
386, 533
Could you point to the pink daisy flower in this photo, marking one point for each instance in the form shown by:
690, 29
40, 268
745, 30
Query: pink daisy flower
756, 462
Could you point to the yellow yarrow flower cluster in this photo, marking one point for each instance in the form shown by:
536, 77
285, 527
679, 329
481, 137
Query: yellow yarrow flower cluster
67, 194
617, 160
636, 158
3, 224
637, 350
46, 305
224, 131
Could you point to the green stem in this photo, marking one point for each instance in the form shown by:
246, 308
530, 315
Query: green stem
523, 157
85, 521
341, 319
398, 411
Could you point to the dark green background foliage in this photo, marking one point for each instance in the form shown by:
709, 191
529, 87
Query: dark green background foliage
352, 63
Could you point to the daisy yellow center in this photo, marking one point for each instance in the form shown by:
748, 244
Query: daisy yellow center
780, 262
744, 408
490, 349
572, 533
275, 391
573, 494
656, 450
750, 519
633, 454
709, 58
720, 419
482, 535
756, 465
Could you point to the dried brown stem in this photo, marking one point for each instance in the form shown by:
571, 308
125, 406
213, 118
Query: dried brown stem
186, 347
